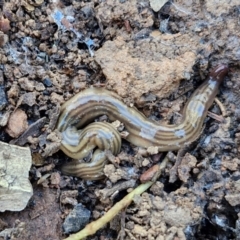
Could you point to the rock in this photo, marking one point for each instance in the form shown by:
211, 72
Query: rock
17, 123
77, 219
187, 164
151, 72
27, 98
233, 199
15, 188
218, 8
173, 216
56, 98
4, 25
4, 118
140, 231
152, 150
110, 11
3, 39
233, 196
3, 99
156, 5
47, 82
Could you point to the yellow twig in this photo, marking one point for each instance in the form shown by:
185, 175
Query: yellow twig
221, 106
94, 226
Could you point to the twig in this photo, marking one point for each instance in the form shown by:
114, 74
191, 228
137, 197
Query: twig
219, 118
174, 170
221, 106
94, 226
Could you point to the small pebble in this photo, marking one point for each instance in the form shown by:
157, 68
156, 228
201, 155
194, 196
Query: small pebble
145, 162
152, 150
3, 99
47, 82
17, 123
3, 39
77, 219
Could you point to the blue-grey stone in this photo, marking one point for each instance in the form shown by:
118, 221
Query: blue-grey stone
3, 98
77, 219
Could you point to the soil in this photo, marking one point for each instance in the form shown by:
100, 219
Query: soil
51, 50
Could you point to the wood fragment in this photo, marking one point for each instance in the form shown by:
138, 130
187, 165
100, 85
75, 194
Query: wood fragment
218, 118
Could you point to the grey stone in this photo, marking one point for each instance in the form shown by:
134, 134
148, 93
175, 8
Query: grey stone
77, 219
3, 98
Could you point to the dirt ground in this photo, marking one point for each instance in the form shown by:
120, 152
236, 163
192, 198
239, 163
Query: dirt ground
51, 50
